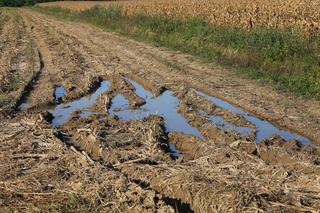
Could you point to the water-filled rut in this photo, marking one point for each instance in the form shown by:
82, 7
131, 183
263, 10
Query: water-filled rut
59, 93
63, 112
264, 129
165, 105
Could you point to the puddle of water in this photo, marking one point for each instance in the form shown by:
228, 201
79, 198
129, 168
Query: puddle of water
140, 91
59, 92
63, 111
119, 103
23, 105
264, 129
222, 124
164, 105
174, 151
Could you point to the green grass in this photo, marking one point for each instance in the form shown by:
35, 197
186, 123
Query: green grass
282, 58
74, 203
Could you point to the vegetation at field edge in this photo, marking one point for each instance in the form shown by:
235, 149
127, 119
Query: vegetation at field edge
284, 58
19, 3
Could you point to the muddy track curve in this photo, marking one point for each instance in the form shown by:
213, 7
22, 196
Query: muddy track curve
151, 63
168, 132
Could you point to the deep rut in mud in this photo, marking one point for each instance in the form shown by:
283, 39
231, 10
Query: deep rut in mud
63, 112
263, 129
166, 105
23, 102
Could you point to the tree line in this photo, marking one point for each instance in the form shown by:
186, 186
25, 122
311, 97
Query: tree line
19, 3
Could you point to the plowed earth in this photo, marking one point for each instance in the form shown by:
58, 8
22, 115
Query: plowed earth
105, 162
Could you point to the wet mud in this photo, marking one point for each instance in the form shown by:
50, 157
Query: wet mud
263, 128
166, 106
63, 112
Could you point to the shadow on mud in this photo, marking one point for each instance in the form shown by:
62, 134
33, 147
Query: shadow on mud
22, 103
178, 205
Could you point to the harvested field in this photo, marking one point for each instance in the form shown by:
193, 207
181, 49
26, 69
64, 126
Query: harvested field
97, 122
300, 15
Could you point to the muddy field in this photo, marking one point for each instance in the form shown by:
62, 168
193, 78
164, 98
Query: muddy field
95, 122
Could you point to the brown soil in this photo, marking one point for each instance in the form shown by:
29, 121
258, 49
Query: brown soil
103, 164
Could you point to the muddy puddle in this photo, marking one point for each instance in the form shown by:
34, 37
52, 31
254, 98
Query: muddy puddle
23, 105
164, 105
63, 112
263, 130
222, 124
59, 92
173, 150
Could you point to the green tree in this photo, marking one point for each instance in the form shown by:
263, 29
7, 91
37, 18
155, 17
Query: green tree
19, 3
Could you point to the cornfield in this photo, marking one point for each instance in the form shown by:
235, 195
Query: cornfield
303, 15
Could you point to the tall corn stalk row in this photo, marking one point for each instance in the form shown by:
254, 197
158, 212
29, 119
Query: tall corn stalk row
301, 15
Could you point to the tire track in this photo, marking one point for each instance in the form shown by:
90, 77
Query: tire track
158, 66
212, 176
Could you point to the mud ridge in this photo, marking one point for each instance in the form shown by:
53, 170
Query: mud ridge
175, 203
30, 86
